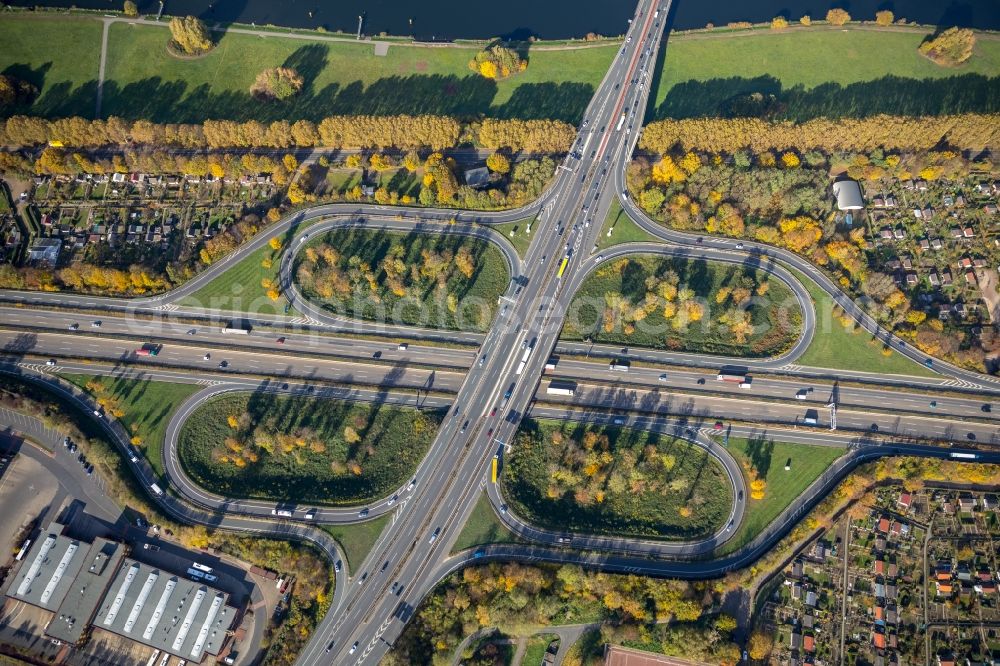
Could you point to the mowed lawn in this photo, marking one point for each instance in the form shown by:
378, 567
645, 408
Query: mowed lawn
241, 287
147, 405
834, 346
783, 487
702, 72
358, 539
144, 81
59, 55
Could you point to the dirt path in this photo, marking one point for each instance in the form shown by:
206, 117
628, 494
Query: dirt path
988, 286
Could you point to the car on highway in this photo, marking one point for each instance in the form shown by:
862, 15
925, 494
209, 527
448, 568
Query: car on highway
801, 394
490, 433
413, 484
192, 331
353, 648
74, 327
224, 364
281, 340
66, 442
392, 500
50, 362
330, 645
95, 324
618, 420
739, 246
363, 513
206, 357
337, 566
377, 354
437, 532
152, 547
663, 377
464, 426
363, 578
493, 412
90, 469
929, 362
482, 360
402, 346
503, 509
385, 565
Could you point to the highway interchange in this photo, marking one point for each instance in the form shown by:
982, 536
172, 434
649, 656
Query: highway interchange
475, 372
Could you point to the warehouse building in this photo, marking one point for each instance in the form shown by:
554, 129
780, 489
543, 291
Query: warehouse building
95, 585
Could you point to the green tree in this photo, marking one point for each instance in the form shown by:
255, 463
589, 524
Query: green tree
190, 35
130, 8
652, 200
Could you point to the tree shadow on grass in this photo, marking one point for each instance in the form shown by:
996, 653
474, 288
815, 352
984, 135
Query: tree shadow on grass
759, 450
729, 97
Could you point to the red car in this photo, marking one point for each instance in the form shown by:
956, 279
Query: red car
280, 341
490, 433
493, 412
718, 425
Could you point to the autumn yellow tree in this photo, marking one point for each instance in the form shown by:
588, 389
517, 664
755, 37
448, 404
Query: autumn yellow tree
498, 163
884, 17
779, 23
190, 36
951, 47
761, 644
837, 16
277, 83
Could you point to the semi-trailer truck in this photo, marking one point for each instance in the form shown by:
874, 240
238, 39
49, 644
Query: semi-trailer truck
556, 387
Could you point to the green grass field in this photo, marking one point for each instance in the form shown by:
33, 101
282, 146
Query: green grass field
483, 527
868, 72
834, 346
59, 55
624, 229
520, 239
535, 651
430, 288
618, 481
240, 288
358, 540
147, 406
769, 458
302, 449
144, 81
621, 287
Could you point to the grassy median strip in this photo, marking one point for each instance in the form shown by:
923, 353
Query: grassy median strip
144, 407
357, 540
622, 229
766, 459
483, 528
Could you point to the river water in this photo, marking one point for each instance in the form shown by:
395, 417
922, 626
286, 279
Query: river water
548, 19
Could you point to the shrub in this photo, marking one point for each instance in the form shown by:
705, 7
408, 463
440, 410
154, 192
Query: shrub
951, 47
884, 17
277, 83
130, 9
779, 23
837, 17
806, 20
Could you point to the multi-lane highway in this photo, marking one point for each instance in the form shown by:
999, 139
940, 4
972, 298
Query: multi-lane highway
488, 382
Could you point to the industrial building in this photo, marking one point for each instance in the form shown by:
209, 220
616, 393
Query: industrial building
97, 586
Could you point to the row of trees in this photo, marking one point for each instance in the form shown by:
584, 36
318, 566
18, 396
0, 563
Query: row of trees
728, 135
401, 131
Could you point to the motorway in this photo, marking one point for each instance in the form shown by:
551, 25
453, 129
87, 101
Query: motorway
367, 613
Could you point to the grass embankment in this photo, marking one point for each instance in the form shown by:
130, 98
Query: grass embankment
143, 406
435, 280
535, 651
357, 540
618, 481
766, 460
483, 527
823, 72
667, 303
623, 229
303, 449
144, 81
516, 233
59, 55
834, 346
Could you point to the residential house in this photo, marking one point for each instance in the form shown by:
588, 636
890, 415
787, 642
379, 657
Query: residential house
904, 500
